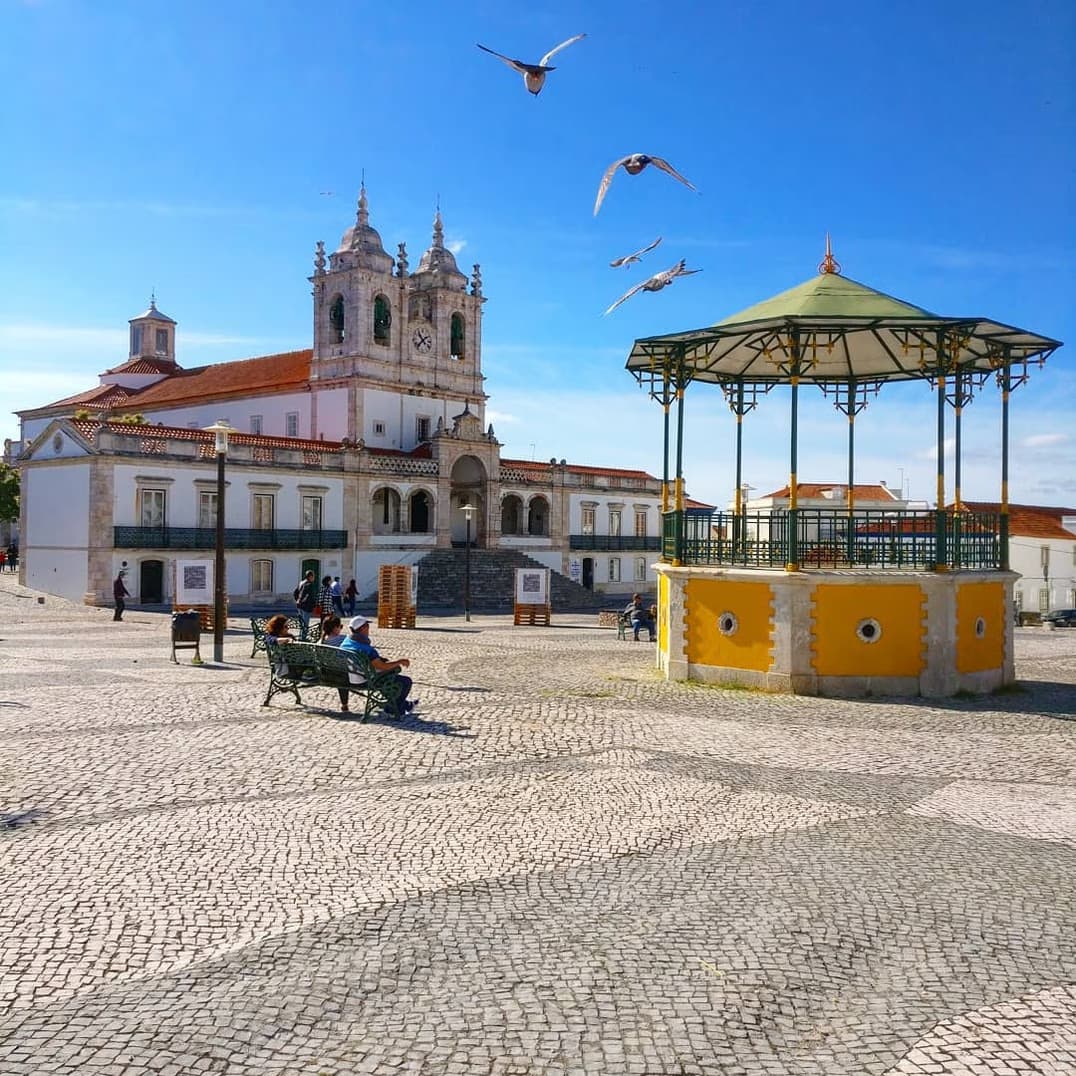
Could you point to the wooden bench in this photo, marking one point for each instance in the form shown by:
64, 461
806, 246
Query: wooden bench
295, 626
623, 623
302, 665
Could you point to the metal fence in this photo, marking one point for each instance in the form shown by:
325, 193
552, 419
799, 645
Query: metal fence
234, 538
830, 538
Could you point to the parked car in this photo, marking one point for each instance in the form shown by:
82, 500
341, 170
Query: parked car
1060, 618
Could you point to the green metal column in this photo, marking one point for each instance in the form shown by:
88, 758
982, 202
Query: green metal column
940, 559
851, 496
680, 459
792, 553
1006, 387
738, 520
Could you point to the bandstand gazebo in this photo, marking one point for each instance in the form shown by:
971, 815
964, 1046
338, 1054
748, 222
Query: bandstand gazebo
837, 601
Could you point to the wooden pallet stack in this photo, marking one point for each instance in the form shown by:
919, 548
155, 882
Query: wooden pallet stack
532, 616
394, 608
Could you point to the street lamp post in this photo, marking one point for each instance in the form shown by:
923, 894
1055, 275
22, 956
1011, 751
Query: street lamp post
468, 510
220, 430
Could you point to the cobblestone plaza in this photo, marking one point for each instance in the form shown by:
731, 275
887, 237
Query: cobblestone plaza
563, 865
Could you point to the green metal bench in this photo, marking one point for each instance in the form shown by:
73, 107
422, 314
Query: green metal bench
295, 626
301, 665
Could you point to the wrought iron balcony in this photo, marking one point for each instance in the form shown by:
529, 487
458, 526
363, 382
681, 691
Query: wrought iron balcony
829, 538
234, 538
612, 543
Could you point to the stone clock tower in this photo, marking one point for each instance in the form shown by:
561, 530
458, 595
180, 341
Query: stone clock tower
379, 328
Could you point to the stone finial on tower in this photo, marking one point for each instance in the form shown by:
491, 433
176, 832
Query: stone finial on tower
362, 215
476, 281
401, 260
319, 258
438, 231
829, 264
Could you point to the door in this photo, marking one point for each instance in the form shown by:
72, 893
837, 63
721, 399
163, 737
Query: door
588, 573
151, 582
311, 565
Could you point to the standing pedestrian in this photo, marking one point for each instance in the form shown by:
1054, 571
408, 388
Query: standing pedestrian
337, 596
351, 596
306, 597
119, 592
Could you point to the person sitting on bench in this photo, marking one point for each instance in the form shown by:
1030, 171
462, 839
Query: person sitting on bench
359, 639
640, 617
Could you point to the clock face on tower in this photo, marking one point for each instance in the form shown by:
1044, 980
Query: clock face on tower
422, 339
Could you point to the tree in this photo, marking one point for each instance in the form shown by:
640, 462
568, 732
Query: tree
9, 494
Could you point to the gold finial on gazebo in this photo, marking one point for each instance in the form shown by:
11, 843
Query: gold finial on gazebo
829, 264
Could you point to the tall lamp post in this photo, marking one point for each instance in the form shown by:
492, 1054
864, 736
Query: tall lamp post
468, 510
220, 430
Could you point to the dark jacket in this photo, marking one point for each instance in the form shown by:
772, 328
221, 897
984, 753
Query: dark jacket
308, 596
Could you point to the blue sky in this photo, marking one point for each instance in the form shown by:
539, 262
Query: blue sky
184, 148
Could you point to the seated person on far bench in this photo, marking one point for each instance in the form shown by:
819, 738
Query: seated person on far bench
359, 639
640, 617
332, 634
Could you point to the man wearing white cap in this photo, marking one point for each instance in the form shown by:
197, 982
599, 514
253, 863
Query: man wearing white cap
359, 639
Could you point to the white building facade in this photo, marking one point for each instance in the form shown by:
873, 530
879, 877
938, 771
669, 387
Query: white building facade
357, 452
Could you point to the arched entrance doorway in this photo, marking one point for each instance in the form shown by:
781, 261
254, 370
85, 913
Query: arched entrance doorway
468, 487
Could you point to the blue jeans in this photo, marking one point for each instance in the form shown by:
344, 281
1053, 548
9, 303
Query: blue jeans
304, 617
642, 622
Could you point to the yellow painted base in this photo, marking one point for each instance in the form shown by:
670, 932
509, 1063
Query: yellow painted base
847, 633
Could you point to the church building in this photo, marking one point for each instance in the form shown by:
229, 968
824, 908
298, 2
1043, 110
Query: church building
359, 451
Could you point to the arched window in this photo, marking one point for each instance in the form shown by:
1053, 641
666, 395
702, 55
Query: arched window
336, 319
511, 515
385, 516
382, 320
458, 334
538, 517
420, 513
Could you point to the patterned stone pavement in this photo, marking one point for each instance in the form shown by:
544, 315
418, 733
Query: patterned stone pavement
565, 865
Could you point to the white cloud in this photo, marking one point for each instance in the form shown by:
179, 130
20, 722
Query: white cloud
500, 416
456, 245
1038, 440
85, 338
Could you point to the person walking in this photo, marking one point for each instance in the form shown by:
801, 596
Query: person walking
306, 597
351, 597
337, 596
119, 592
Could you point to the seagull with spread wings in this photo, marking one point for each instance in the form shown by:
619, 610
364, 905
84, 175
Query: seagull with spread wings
633, 164
656, 282
628, 259
534, 74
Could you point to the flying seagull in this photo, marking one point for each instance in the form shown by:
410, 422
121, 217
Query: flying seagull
628, 259
656, 282
633, 164
534, 74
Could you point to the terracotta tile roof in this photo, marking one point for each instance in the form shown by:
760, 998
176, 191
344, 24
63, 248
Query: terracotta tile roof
89, 427
1030, 520
689, 502
247, 377
571, 468
145, 366
100, 397
816, 490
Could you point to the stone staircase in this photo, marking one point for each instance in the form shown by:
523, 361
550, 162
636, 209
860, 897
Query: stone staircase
493, 580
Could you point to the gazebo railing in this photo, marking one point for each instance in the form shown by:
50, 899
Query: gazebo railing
830, 538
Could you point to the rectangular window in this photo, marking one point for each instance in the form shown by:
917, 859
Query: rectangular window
263, 511
379, 429
162, 341
640, 524
422, 428
614, 522
614, 569
1044, 557
291, 424
1044, 599
136, 339
311, 513
152, 508
255, 424
588, 520
261, 577
640, 569
207, 509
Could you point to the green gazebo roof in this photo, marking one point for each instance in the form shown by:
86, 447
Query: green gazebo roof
828, 295
833, 329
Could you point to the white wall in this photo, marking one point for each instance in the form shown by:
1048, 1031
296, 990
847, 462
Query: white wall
237, 413
628, 499
399, 411
1025, 557
57, 512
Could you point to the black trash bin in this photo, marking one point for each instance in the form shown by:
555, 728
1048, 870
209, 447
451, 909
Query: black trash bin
187, 634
